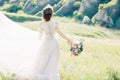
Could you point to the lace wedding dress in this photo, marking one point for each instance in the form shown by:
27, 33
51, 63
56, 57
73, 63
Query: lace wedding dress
24, 54
48, 57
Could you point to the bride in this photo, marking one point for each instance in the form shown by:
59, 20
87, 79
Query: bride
23, 54
47, 62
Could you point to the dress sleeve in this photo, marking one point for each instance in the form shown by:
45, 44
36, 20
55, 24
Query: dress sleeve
58, 28
40, 30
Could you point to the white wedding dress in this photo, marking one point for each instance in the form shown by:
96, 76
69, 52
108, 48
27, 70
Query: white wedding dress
48, 57
23, 53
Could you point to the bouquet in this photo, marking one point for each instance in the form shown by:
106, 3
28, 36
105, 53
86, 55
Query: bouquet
77, 48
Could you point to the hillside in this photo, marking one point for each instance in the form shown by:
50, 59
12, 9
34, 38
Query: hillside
100, 58
71, 27
101, 55
89, 12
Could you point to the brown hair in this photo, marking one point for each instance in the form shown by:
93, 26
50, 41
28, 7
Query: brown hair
47, 14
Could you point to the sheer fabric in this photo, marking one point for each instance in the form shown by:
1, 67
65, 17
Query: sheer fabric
23, 53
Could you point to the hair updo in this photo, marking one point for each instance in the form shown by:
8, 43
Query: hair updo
47, 12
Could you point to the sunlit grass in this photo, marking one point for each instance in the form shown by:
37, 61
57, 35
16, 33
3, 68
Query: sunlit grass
72, 27
111, 3
100, 59
7, 76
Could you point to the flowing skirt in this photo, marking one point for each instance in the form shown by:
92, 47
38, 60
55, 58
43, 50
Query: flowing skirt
23, 54
47, 61
46, 66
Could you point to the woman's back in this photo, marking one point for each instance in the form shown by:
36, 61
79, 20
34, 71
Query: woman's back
48, 28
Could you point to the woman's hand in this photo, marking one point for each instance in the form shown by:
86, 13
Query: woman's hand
70, 42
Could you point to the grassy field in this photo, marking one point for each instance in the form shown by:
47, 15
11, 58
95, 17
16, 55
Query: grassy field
100, 59
21, 17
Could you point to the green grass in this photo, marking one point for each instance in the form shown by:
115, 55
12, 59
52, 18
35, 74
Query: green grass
72, 27
21, 17
7, 76
100, 59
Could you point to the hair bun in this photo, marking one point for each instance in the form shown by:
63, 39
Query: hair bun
47, 12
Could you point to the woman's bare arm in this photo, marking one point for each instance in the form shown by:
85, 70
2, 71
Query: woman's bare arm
64, 36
